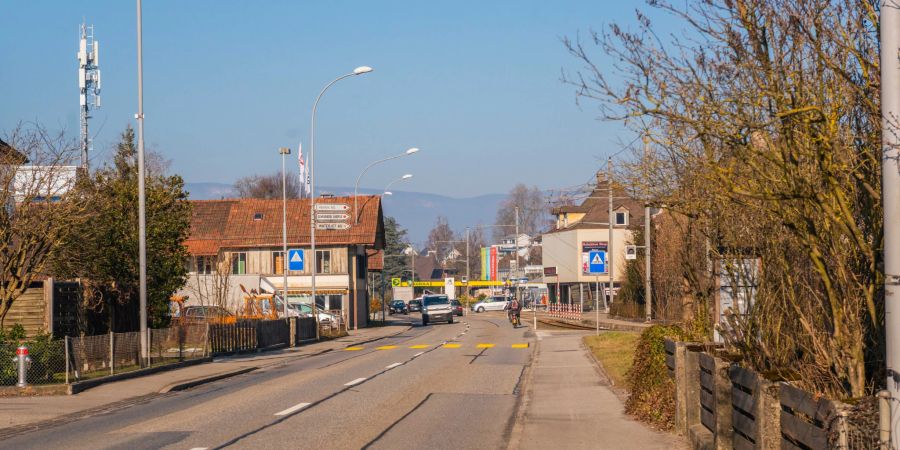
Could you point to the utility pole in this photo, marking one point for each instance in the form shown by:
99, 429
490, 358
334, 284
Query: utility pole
284, 256
517, 254
612, 218
648, 293
468, 265
890, 113
142, 200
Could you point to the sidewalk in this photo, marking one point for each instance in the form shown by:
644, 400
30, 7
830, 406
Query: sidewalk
568, 401
19, 411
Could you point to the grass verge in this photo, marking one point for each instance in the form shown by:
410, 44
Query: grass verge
615, 351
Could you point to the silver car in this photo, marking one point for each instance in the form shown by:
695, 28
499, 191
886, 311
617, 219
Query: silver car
436, 308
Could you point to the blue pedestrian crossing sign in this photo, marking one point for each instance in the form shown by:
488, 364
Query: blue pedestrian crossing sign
295, 259
597, 262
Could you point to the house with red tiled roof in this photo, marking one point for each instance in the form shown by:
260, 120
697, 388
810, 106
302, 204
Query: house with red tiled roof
583, 228
236, 245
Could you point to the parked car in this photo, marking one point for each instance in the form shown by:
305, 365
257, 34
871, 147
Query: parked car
305, 310
398, 307
436, 308
415, 305
457, 307
495, 303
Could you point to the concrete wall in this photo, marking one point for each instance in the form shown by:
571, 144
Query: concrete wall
563, 250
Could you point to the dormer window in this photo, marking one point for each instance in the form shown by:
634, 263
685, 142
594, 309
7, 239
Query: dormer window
258, 216
622, 218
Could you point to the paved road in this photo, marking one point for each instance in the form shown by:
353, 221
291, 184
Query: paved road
409, 391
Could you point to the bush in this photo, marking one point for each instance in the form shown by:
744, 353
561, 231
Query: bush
652, 398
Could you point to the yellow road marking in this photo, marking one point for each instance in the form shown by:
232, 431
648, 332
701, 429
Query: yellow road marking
452, 345
386, 347
485, 346
520, 346
353, 349
419, 346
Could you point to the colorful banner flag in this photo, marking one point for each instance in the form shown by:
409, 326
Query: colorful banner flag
304, 177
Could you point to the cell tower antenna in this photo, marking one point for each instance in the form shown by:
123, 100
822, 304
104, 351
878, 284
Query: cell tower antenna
88, 84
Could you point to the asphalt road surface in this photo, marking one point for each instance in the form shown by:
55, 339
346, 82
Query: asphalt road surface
438, 386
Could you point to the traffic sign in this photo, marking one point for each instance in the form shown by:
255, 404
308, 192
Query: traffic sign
332, 226
395, 282
295, 259
331, 217
332, 207
597, 262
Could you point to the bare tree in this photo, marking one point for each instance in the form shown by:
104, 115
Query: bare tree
533, 212
266, 186
40, 207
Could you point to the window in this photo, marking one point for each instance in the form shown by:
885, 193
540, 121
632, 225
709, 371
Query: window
622, 218
204, 264
323, 261
278, 263
239, 263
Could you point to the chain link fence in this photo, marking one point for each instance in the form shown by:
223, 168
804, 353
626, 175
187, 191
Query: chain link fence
48, 363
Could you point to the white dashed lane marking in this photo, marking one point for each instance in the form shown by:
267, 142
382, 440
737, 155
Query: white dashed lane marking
292, 409
393, 365
355, 382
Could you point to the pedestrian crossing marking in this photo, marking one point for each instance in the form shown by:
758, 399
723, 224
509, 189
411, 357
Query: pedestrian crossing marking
520, 346
386, 347
485, 345
353, 349
419, 346
452, 346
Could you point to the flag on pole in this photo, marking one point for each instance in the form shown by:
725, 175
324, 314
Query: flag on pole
304, 177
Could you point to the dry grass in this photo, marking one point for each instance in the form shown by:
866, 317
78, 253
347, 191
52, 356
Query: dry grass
615, 351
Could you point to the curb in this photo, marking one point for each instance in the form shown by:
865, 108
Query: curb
183, 385
80, 386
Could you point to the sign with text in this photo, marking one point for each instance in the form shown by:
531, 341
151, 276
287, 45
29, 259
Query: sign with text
332, 226
332, 217
594, 246
550, 271
332, 207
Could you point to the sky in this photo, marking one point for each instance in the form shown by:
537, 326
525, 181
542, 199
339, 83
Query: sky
475, 85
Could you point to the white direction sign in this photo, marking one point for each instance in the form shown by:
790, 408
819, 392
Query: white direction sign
332, 226
332, 207
332, 217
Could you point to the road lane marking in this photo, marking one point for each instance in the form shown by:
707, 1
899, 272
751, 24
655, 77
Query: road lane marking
419, 346
520, 346
292, 409
355, 382
353, 349
451, 345
199, 448
393, 365
418, 354
386, 347
485, 345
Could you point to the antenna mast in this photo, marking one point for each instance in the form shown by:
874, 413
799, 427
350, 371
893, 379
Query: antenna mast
88, 84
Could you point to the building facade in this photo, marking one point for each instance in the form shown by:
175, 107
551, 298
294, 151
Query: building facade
236, 246
582, 229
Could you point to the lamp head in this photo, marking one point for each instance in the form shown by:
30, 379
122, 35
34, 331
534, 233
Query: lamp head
407, 176
412, 150
388, 193
361, 70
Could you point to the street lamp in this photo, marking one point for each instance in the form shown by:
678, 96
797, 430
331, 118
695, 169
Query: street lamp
312, 185
404, 177
142, 199
356, 188
284, 255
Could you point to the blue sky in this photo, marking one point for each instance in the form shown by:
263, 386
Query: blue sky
476, 85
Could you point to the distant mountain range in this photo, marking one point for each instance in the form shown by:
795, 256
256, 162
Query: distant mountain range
415, 211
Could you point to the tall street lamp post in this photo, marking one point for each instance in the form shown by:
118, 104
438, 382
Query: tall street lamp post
142, 200
356, 187
284, 255
312, 186
388, 187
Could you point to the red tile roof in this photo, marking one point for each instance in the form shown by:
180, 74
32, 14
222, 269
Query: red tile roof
376, 260
257, 223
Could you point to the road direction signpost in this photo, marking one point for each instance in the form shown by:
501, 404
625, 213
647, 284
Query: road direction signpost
332, 226
332, 217
332, 207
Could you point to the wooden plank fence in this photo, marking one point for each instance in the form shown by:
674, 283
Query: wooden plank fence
670, 357
234, 337
744, 402
804, 419
707, 392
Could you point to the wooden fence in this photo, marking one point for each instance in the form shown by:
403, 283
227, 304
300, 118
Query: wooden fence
234, 337
805, 420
